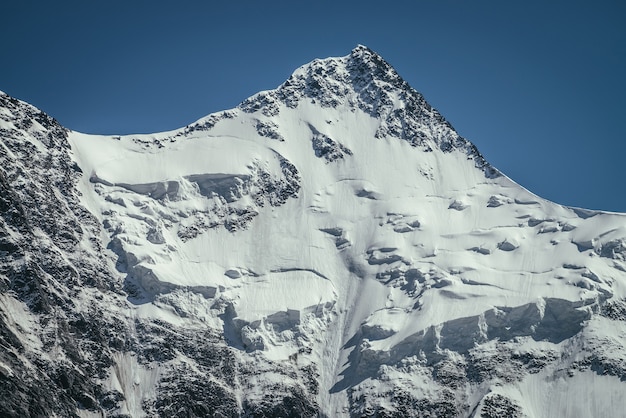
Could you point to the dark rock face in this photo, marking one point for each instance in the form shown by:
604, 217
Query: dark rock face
48, 262
326, 147
499, 406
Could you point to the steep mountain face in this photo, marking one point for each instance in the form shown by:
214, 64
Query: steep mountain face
329, 248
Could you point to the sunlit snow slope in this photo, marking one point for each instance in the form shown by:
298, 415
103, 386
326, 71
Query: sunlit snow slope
352, 255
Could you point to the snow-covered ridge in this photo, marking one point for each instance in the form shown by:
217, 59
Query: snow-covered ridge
342, 251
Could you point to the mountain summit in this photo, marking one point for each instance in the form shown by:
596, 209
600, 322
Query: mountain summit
328, 248
364, 81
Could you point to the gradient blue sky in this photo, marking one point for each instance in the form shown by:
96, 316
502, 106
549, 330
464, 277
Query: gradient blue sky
538, 86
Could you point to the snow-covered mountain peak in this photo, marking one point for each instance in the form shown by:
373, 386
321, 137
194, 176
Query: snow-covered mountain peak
366, 66
364, 81
361, 80
328, 248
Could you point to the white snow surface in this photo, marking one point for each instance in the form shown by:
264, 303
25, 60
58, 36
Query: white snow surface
386, 242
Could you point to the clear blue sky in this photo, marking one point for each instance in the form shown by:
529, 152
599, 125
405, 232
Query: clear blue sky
538, 86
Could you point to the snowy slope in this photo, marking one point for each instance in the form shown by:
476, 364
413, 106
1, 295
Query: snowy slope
339, 250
